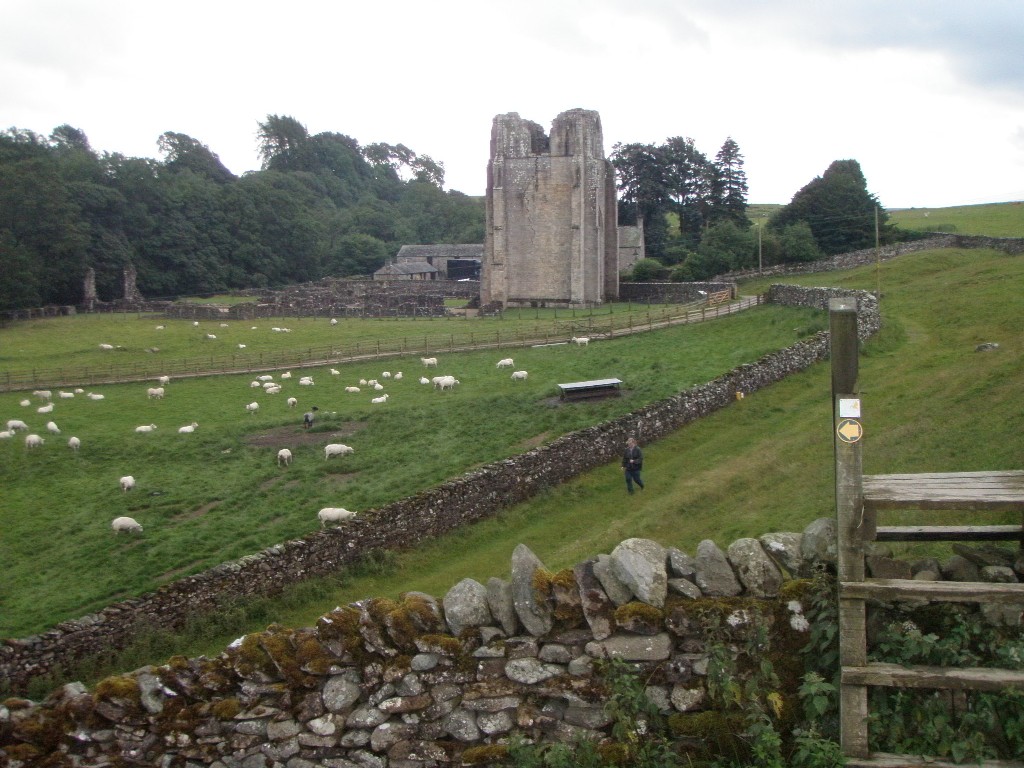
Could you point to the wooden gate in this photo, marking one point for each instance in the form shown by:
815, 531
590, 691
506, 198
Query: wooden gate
859, 500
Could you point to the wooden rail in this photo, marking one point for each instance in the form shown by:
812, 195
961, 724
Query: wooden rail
859, 500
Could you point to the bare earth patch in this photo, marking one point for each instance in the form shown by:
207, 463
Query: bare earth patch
198, 511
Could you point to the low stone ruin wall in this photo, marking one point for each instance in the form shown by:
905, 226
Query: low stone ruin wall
419, 682
672, 293
426, 515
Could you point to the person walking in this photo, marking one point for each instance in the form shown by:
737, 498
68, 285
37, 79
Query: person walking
632, 463
308, 416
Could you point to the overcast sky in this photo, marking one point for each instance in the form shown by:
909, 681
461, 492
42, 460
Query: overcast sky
928, 95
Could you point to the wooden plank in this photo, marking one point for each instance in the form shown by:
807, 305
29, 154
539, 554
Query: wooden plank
887, 760
946, 678
951, 591
969, 491
949, 533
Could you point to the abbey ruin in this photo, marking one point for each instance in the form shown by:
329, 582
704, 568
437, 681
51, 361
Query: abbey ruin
550, 230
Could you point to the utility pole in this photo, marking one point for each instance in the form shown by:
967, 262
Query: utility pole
878, 261
759, 248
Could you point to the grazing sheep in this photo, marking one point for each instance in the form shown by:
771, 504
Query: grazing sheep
241, 346
286, 330
25, 403
127, 483
6, 434
252, 407
334, 515
424, 380
33, 441
223, 325
159, 328
188, 428
106, 346
334, 321
581, 341
43, 394
52, 428
519, 375
74, 444
66, 395
351, 389
128, 524
79, 390
378, 400
155, 393
505, 363
292, 402
398, 376
95, 396
369, 383
284, 457
386, 375
429, 362
211, 336
15, 424
265, 377
378, 387
45, 408
363, 382
195, 323
163, 381
275, 329
445, 382
336, 449
286, 375
145, 428
335, 372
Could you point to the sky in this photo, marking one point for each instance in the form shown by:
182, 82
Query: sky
927, 95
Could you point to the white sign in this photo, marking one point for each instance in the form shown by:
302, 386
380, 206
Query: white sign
849, 408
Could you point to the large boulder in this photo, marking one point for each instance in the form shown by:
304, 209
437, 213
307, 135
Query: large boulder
531, 608
640, 565
820, 543
754, 568
715, 576
465, 606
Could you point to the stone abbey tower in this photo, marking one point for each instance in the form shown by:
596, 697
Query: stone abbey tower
551, 236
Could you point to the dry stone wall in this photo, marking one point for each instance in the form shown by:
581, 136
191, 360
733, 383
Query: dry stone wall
426, 515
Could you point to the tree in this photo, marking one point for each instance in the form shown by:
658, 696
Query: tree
797, 243
643, 180
185, 153
729, 186
688, 174
838, 209
283, 141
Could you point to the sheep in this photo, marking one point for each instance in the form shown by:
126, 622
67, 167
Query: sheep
252, 328
274, 389
386, 375
188, 428
378, 400
334, 515
33, 441
95, 396
363, 382
429, 362
52, 428
255, 385
195, 323
66, 395
6, 434
159, 328
306, 381
127, 524
424, 380
43, 394
292, 402
275, 329
241, 346
336, 449
269, 384
155, 393
581, 341
369, 383
378, 387
284, 457
352, 389
79, 390
265, 377
163, 381
252, 407
143, 429
519, 375
25, 403
335, 372
286, 375
74, 444
505, 363
211, 336
223, 325
45, 408
445, 382
334, 321
15, 424
127, 483
106, 346
398, 376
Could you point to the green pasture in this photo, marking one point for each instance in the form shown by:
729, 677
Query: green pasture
990, 219
218, 494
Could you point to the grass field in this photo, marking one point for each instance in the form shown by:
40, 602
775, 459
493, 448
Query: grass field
991, 219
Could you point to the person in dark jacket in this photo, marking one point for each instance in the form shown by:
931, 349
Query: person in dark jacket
308, 416
632, 463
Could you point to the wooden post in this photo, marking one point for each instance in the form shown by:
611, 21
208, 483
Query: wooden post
847, 430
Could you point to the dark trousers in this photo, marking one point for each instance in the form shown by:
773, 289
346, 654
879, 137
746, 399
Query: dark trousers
633, 476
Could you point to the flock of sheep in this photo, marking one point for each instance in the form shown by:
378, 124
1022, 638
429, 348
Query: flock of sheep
269, 386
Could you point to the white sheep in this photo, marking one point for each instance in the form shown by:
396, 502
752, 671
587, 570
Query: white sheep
66, 395
519, 375
106, 346
188, 428
127, 483
275, 329
255, 384
273, 389
155, 393
144, 428
284, 457
378, 387
379, 400
79, 390
445, 382
352, 389
195, 323
334, 515
363, 382
581, 341
25, 403
429, 362
52, 428
286, 375
74, 444
424, 380
43, 394
369, 383
292, 402
6, 434
306, 381
211, 336
163, 381
45, 408
33, 441
15, 424
127, 524
505, 363
241, 346
334, 321
252, 407
386, 375
286, 330
159, 328
398, 376
336, 449
95, 396
223, 325
265, 377
335, 372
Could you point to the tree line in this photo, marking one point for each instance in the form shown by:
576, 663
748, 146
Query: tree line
695, 219
320, 205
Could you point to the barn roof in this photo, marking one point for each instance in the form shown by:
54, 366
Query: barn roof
407, 268
442, 250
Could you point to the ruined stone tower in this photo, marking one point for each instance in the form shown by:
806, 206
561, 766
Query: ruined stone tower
550, 237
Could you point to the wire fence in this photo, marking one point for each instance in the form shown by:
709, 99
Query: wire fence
427, 345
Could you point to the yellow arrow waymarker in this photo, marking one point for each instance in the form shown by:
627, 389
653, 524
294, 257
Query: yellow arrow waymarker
849, 430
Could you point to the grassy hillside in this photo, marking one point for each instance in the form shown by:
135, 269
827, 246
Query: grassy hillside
992, 219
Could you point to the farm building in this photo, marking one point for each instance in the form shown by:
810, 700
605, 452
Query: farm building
454, 261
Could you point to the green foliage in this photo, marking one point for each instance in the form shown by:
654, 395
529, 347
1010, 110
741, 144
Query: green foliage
648, 270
